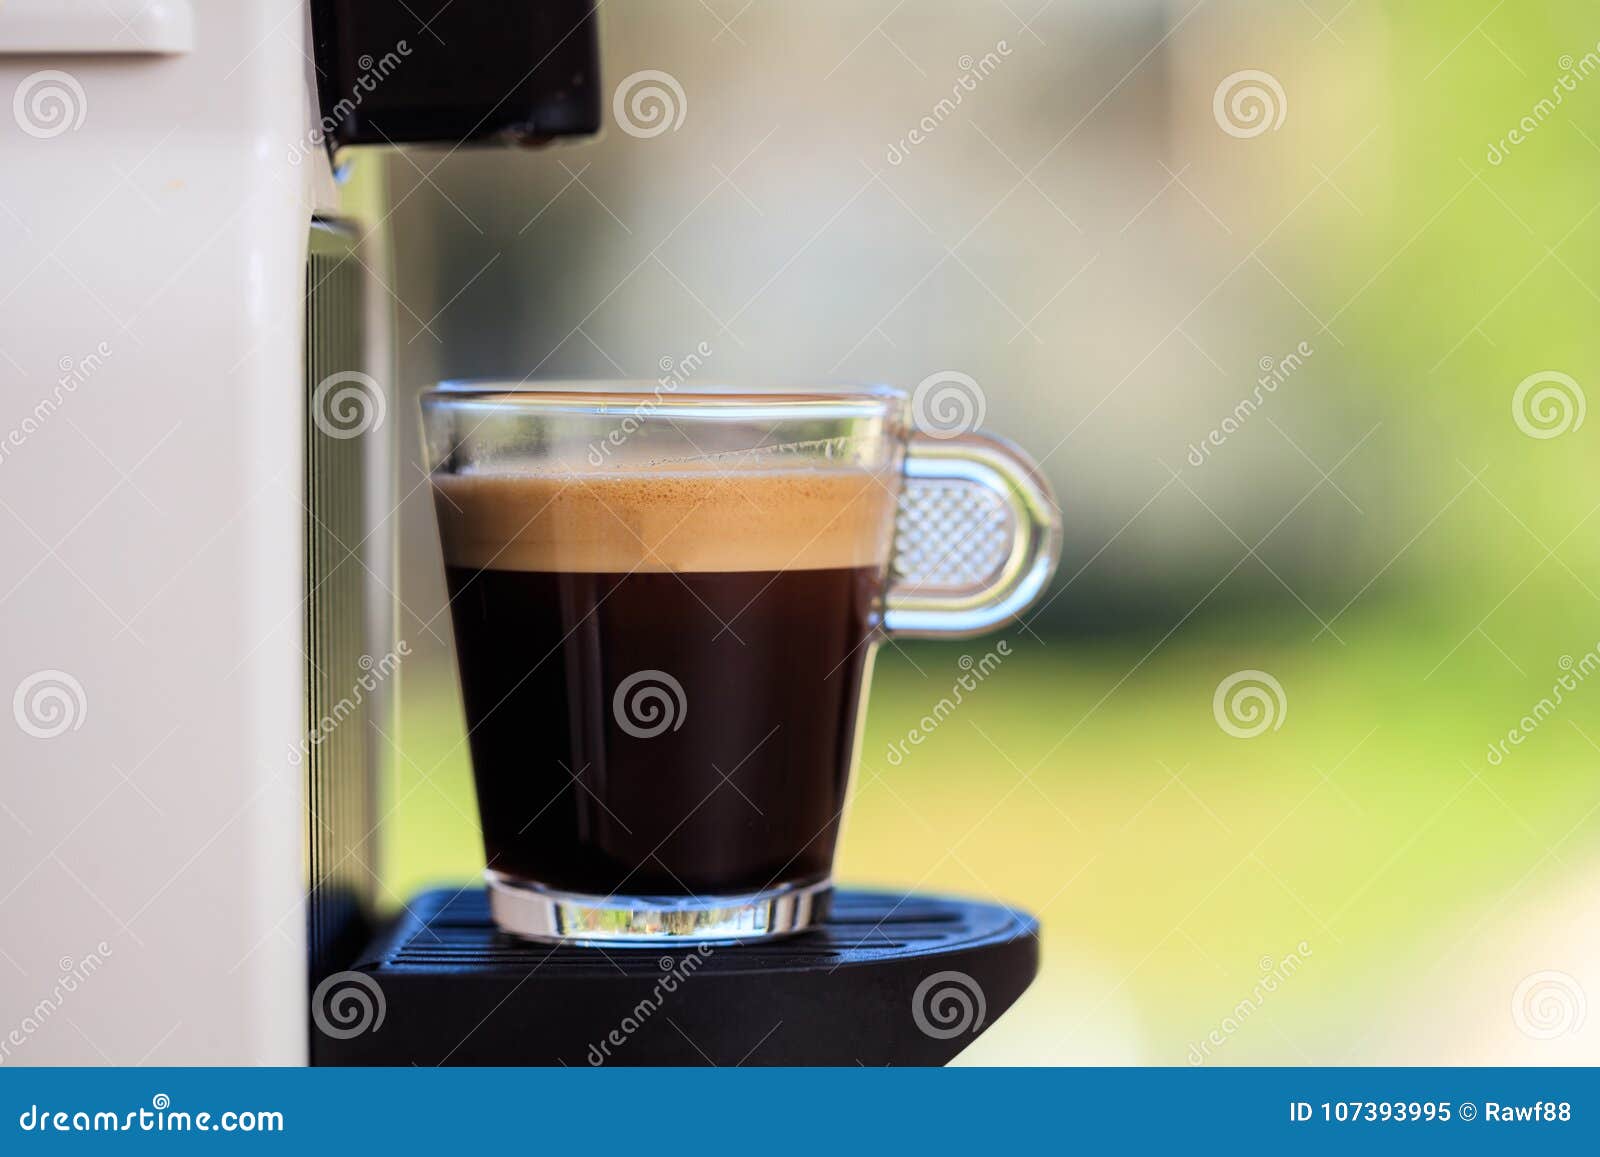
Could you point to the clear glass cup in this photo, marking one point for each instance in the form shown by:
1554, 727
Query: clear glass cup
666, 602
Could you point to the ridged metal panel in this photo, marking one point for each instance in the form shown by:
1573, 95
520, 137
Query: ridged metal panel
341, 760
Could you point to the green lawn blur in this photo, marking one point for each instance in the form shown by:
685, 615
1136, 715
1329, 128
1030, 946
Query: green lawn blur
1166, 859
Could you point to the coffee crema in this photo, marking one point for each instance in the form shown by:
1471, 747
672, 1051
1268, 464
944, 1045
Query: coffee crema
650, 520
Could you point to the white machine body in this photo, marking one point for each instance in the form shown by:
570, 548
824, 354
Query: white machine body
164, 625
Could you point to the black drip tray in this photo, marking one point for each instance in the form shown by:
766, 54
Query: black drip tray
888, 979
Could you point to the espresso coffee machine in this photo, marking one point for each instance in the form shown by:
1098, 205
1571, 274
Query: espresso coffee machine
196, 574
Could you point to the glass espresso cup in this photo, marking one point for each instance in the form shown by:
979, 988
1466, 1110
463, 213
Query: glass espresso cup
666, 602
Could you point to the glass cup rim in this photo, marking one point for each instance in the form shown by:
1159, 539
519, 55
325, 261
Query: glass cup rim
708, 400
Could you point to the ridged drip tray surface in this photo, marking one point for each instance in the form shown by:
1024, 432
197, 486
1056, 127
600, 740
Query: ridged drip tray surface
888, 979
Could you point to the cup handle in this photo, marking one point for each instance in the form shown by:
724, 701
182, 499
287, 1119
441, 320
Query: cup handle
977, 537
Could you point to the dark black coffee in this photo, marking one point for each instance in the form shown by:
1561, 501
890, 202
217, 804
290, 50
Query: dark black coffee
662, 672
662, 733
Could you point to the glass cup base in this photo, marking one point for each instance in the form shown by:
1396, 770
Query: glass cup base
534, 912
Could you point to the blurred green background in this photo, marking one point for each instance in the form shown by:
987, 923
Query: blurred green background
1085, 238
